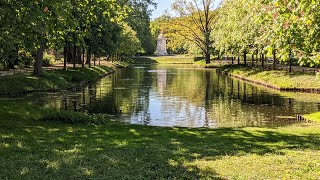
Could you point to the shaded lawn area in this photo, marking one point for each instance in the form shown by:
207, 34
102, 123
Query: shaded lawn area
281, 79
50, 80
34, 149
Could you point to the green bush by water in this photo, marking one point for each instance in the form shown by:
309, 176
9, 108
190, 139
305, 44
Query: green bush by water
72, 117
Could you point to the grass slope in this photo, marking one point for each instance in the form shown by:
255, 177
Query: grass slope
315, 117
50, 81
281, 79
31, 148
178, 59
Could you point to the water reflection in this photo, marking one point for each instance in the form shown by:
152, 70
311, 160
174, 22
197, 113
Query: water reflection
180, 96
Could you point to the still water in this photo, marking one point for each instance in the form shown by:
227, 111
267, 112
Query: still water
178, 95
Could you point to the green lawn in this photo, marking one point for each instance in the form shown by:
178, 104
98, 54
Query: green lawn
315, 117
31, 148
281, 79
50, 81
177, 59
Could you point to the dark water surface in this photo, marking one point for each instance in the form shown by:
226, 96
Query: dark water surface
177, 95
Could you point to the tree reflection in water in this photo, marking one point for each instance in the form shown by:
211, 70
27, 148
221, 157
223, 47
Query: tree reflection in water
180, 96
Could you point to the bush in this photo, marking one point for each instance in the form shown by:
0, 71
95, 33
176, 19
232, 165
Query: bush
72, 117
49, 60
26, 58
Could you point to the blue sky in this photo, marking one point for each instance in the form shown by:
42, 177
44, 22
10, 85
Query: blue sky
162, 6
166, 4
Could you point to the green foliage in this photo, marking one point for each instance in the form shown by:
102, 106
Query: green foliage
49, 59
139, 20
287, 28
75, 117
129, 44
176, 44
94, 25
26, 58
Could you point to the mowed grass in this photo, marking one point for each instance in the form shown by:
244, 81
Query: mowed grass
50, 80
315, 117
281, 79
176, 59
31, 148
212, 64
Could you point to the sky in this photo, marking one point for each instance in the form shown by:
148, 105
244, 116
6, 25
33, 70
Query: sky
164, 5
161, 7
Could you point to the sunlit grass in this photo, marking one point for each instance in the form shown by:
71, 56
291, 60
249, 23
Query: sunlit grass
213, 64
31, 148
313, 117
277, 78
51, 80
177, 59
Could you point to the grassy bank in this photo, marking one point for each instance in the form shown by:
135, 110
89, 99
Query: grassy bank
213, 64
51, 80
280, 79
315, 117
178, 59
31, 148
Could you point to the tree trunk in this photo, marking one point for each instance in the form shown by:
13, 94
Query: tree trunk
74, 56
290, 63
245, 58
83, 54
274, 59
252, 60
38, 65
88, 57
232, 60
238, 60
65, 58
207, 58
262, 61
79, 55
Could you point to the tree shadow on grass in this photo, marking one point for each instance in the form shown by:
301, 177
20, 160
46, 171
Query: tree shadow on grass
117, 151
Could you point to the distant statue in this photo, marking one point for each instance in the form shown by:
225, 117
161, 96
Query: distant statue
161, 45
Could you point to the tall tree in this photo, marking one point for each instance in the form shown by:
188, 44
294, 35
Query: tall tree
139, 20
199, 17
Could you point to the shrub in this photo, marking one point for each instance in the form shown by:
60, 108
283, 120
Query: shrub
26, 58
72, 117
48, 60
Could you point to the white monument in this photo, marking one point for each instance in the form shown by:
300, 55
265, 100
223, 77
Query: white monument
161, 45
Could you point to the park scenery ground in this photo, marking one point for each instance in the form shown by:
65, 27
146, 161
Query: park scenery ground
159, 89
42, 143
